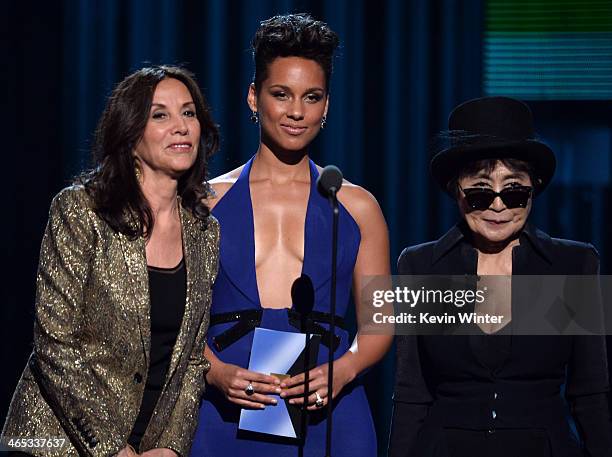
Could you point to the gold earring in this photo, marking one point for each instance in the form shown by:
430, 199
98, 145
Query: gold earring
138, 173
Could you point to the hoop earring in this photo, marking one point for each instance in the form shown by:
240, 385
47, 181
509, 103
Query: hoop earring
323, 122
254, 117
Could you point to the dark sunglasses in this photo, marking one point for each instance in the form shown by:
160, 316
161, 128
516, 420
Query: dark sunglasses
480, 198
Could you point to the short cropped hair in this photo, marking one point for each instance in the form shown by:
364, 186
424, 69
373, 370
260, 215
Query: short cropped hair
293, 35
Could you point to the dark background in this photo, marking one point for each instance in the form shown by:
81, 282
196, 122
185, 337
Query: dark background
402, 67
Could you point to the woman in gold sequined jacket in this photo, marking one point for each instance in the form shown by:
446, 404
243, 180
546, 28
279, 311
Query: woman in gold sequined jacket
123, 287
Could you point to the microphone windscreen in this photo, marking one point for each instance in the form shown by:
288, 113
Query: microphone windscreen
302, 295
329, 179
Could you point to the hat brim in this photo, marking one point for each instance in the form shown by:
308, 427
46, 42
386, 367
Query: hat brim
445, 164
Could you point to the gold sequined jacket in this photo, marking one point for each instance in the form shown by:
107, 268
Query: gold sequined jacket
85, 379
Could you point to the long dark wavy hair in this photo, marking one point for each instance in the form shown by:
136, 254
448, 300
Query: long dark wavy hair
112, 182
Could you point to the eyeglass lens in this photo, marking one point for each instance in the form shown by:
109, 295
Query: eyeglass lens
513, 197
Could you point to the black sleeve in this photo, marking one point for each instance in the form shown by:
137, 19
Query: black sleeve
587, 393
406, 423
588, 384
411, 397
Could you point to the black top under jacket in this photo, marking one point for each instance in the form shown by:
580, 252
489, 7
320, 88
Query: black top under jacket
450, 382
168, 291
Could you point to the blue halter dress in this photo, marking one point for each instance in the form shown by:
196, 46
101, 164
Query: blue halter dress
236, 311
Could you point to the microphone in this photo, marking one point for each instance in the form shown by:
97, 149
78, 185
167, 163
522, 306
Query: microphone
329, 181
302, 295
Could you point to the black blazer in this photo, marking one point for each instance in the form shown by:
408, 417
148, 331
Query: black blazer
443, 381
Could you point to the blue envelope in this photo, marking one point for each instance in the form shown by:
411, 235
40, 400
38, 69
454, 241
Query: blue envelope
277, 352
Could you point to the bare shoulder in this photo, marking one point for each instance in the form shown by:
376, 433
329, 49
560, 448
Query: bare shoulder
221, 184
373, 256
361, 204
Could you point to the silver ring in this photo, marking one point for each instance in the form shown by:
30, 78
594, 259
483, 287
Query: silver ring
249, 390
319, 403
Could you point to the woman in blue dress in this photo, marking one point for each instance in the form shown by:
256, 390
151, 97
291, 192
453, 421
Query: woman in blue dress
276, 227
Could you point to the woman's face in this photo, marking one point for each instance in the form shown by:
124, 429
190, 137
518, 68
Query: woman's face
291, 103
169, 144
497, 223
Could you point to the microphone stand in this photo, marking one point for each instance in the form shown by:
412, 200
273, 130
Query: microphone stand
302, 296
333, 200
304, 419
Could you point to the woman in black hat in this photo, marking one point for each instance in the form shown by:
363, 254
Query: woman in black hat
495, 396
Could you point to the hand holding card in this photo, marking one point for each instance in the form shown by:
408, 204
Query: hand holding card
280, 354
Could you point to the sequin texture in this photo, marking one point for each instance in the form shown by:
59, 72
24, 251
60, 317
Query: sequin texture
85, 378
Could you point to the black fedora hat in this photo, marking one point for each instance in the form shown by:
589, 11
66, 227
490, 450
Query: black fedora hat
490, 128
